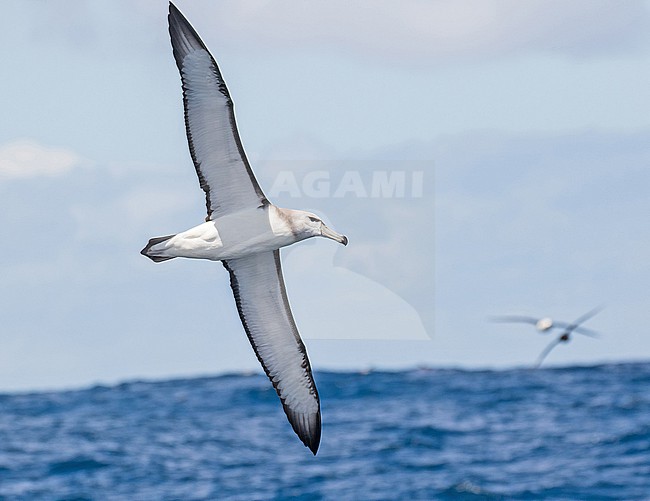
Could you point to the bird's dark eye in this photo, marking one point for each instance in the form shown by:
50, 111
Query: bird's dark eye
313, 219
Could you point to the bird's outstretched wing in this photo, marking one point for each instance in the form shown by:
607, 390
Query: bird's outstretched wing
514, 319
546, 351
582, 319
261, 298
219, 158
579, 330
575, 325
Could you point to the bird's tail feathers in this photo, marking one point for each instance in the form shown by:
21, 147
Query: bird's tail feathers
154, 254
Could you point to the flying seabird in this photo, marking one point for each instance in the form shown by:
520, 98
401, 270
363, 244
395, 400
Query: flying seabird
243, 230
543, 325
566, 334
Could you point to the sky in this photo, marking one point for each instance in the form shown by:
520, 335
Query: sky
483, 157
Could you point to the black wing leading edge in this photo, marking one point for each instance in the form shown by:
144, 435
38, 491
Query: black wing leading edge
219, 158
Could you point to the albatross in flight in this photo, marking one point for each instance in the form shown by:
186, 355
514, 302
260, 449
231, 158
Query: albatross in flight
565, 337
546, 324
243, 230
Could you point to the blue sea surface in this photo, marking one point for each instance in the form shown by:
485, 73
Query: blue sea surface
579, 433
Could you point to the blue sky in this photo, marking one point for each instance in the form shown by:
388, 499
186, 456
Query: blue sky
527, 122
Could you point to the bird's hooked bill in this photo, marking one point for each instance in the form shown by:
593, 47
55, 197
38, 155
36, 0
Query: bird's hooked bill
329, 233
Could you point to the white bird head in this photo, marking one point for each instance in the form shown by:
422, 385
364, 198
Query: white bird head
304, 225
544, 324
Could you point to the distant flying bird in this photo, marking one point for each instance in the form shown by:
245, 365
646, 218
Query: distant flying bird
243, 230
543, 325
566, 334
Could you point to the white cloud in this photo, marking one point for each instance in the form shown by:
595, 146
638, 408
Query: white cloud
25, 158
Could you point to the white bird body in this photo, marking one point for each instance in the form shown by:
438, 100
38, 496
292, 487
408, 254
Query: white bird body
544, 324
241, 234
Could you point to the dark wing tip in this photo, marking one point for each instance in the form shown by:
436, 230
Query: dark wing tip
184, 37
176, 15
307, 427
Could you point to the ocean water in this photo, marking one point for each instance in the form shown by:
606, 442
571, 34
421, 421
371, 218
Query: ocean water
579, 433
